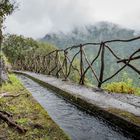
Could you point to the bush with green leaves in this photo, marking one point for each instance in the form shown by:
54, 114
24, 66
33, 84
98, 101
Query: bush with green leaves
16, 47
124, 86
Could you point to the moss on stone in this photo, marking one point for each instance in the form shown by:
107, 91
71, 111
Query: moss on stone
126, 115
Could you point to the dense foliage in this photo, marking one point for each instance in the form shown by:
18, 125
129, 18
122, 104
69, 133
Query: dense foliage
23, 53
16, 47
6, 8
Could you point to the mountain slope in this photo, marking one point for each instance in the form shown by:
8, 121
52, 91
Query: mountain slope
92, 33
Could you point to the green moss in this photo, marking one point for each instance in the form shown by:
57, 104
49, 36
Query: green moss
29, 114
126, 115
22, 121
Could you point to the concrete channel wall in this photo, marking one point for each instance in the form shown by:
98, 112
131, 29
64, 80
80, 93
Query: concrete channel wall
118, 112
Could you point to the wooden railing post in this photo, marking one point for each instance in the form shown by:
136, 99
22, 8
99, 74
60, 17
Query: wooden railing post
57, 73
82, 77
102, 65
49, 62
43, 68
66, 64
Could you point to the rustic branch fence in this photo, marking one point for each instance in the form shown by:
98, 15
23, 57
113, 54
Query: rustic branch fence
61, 64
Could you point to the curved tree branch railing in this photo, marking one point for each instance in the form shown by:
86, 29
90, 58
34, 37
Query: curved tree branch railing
60, 63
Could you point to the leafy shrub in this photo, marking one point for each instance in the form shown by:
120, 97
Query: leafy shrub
122, 87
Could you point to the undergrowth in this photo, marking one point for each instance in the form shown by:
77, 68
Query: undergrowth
125, 86
13, 85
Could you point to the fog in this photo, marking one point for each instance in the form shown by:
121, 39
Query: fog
35, 18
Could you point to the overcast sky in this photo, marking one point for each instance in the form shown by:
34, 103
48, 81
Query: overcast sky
35, 18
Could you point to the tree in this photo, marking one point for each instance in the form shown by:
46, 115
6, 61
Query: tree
17, 47
6, 8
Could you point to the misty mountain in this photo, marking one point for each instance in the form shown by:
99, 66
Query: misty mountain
98, 32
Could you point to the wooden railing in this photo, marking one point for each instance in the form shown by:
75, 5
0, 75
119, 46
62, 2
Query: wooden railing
60, 63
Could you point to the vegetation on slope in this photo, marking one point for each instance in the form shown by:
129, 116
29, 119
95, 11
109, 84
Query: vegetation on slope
18, 48
28, 54
27, 113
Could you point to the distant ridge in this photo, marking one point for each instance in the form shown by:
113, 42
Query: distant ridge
90, 33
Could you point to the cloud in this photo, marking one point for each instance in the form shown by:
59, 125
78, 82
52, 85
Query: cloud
38, 17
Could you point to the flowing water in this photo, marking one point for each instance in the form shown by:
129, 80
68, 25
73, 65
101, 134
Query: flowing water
76, 122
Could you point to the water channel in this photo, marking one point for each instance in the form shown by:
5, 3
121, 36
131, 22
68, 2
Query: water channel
76, 122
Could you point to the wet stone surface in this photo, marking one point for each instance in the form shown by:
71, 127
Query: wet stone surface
131, 99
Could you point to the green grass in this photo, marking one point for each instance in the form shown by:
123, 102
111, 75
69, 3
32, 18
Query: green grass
22, 121
27, 113
13, 85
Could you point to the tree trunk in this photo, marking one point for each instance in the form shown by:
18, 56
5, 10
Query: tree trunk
0, 35
3, 72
